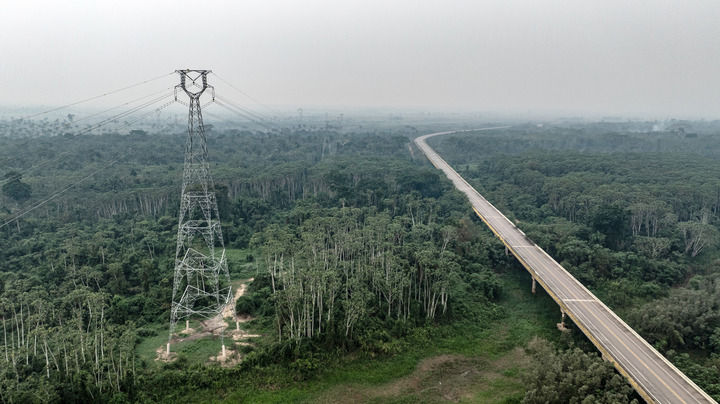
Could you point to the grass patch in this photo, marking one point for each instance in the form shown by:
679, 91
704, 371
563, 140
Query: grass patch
487, 361
241, 263
505, 390
146, 349
198, 350
195, 351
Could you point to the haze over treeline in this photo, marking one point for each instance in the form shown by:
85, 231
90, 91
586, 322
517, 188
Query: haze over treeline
650, 59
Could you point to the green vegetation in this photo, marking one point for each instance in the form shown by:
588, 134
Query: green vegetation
112, 254
372, 280
475, 359
572, 376
634, 216
14, 188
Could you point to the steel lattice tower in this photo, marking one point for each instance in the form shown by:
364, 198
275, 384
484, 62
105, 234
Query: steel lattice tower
201, 285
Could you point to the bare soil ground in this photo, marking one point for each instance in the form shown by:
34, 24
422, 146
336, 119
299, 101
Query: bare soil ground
215, 326
231, 358
163, 356
442, 378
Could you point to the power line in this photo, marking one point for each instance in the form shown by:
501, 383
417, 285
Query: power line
248, 111
250, 115
90, 129
121, 105
224, 119
239, 111
243, 115
67, 188
124, 114
97, 96
97, 125
141, 117
56, 194
243, 93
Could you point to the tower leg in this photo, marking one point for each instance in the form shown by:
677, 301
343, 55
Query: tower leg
187, 325
167, 351
223, 351
237, 325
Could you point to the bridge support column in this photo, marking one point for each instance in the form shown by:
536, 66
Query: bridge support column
506, 251
561, 324
533, 285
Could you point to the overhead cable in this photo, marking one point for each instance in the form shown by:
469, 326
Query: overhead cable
55, 195
243, 93
67, 188
97, 96
90, 129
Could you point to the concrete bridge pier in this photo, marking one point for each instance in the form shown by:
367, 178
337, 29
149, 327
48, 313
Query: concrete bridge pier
561, 324
533, 285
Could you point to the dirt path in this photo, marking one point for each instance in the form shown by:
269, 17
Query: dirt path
229, 310
217, 324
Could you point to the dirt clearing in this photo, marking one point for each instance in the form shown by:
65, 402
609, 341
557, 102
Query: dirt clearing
442, 378
215, 326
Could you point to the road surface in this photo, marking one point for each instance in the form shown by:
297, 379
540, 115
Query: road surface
652, 376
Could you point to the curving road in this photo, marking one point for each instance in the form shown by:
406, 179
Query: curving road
652, 376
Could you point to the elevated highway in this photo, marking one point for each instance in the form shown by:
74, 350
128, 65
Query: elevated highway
652, 376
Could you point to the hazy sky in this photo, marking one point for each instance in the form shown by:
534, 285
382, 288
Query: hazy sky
660, 58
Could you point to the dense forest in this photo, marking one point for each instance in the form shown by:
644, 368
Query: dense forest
634, 216
347, 236
362, 264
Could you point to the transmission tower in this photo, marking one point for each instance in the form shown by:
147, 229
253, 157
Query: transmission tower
201, 285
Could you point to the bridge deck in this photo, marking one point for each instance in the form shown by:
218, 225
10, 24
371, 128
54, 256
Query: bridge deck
652, 376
